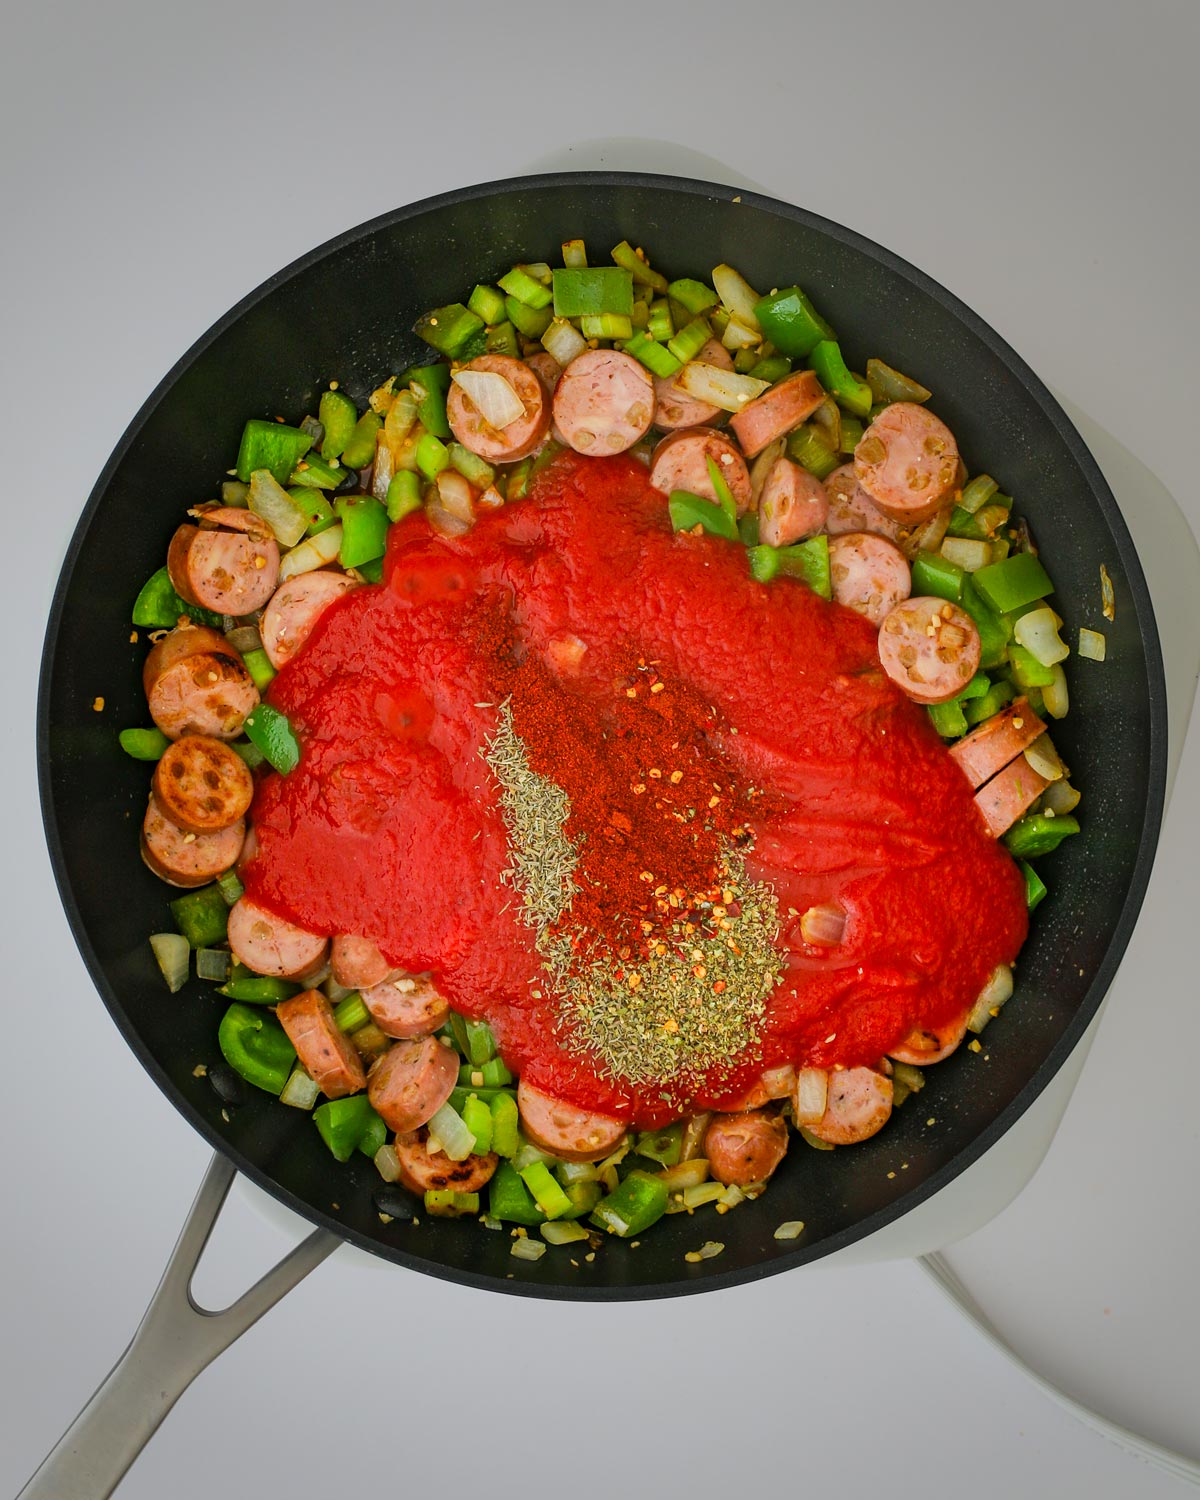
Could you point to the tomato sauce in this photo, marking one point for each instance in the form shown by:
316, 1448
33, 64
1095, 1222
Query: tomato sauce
391, 826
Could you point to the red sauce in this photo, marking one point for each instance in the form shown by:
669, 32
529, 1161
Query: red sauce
390, 825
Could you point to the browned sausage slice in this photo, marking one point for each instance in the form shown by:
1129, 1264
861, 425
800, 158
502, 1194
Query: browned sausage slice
272, 946
547, 369
295, 607
357, 963
852, 509
776, 411
673, 407
604, 402
202, 785
177, 562
997, 741
411, 1082
197, 684
423, 1170
519, 438
929, 648
907, 461
921, 1046
232, 563
793, 505
1010, 793
326, 1053
680, 462
868, 574
187, 859
565, 1130
860, 1104
407, 1006
746, 1147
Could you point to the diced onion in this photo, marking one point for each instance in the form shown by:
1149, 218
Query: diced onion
707, 1192
723, 388
824, 925
456, 496
244, 638
695, 1128
904, 1074
387, 1163
811, 1098
443, 522
578, 1171
814, 1141
1044, 758
234, 493
1108, 599
1060, 797
732, 1196
540, 271
563, 1232
968, 554
212, 964
452, 1132
762, 466
529, 1154
709, 1249
1038, 633
685, 1174
526, 1249
491, 499
791, 1229
928, 536
574, 253
563, 341
384, 466
272, 502
173, 952
739, 335
778, 1083
1055, 697
300, 1091
498, 404
995, 992
737, 295
312, 553
381, 398
1092, 645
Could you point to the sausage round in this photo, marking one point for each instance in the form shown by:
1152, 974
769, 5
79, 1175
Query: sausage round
270, 945
565, 1130
186, 859
423, 1170
776, 411
746, 1147
547, 369
868, 574
295, 607
852, 509
929, 648
997, 742
674, 408
356, 962
860, 1104
680, 462
325, 1051
929, 1046
202, 785
197, 684
793, 505
177, 562
232, 562
907, 461
604, 402
411, 1081
407, 1006
519, 438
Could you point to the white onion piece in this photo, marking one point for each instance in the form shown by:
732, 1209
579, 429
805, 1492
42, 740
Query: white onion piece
737, 295
300, 1091
457, 1140
387, 1163
762, 466
1038, 633
968, 554
1092, 645
995, 992
685, 1174
1055, 697
697, 1197
739, 335
811, 1098
272, 502
694, 1130
1108, 599
824, 925
173, 952
244, 638
723, 388
574, 253
443, 522
1060, 797
778, 1083
563, 1232
528, 1249
491, 499
563, 341
928, 536
498, 404
313, 553
456, 495
1044, 758
791, 1229
384, 467
540, 270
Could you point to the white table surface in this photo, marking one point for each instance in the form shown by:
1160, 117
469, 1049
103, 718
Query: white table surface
1036, 158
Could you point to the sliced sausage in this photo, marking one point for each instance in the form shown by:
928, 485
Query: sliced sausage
406, 1006
187, 859
852, 509
868, 574
326, 1052
565, 1130
547, 369
295, 607
519, 438
993, 744
271, 945
356, 962
793, 505
929, 648
932, 1044
860, 1104
776, 411
423, 1170
197, 684
674, 408
745, 1147
1009, 794
411, 1082
232, 562
604, 402
177, 562
680, 462
202, 785
907, 461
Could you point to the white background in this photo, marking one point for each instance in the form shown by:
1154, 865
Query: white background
161, 160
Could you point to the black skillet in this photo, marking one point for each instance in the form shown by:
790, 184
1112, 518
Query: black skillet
345, 311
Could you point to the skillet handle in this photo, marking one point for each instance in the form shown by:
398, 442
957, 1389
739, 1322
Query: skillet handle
175, 1340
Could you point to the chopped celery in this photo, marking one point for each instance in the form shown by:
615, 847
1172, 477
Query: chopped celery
445, 1203
257, 989
315, 473
689, 341
607, 326
693, 295
474, 470
429, 384
509, 1200
505, 1118
888, 385
660, 326
453, 330
313, 505
502, 339
338, 416
771, 369
477, 1117
364, 528
583, 1197
351, 1013
403, 495
520, 284
977, 493
547, 1193
258, 664
481, 1044
812, 452
143, 744
530, 321
487, 303
231, 887
638, 267
948, 719
432, 456
359, 451
489, 1075
657, 358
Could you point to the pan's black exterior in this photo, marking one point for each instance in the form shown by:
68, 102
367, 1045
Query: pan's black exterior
344, 311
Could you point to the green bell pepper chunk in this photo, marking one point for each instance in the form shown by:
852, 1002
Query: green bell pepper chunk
826, 359
1035, 888
360, 450
344, 1122
267, 728
143, 744
338, 415
583, 1198
774, 367
687, 510
932, 574
641, 1200
592, 292
990, 703
976, 688
371, 572
430, 385
314, 473
1036, 834
477, 1117
270, 445
403, 495
812, 452
790, 322
505, 1117
258, 664
948, 719
502, 339
663, 1146
516, 481
481, 1044
747, 528
1027, 671
202, 916
488, 1075
432, 456
257, 989
453, 330
256, 1047
158, 606
1017, 581
994, 631
723, 493
374, 1136
509, 1200
764, 562
532, 322
547, 1193
364, 529
808, 561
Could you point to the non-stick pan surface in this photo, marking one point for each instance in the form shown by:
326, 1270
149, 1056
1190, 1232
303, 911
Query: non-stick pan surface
345, 312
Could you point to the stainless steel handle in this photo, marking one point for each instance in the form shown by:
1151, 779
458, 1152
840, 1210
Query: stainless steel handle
176, 1339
